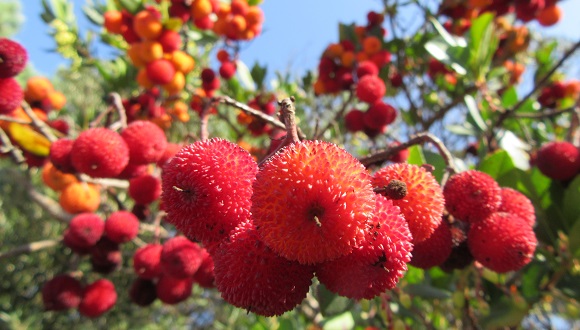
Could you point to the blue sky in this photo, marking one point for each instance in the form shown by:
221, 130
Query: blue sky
295, 32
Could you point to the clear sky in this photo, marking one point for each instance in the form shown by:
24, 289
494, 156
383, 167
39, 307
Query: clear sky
295, 32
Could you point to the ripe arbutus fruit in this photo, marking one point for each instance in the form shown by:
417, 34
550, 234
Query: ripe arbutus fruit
160, 71
423, 204
459, 258
558, 160
379, 114
61, 292
471, 195
171, 290
250, 275
516, 203
146, 141
60, 155
366, 68
145, 189
204, 276
121, 226
180, 257
147, 261
85, 230
207, 188
105, 256
370, 89
434, 250
13, 58
11, 95
132, 171
312, 201
227, 70
100, 153
378, 263
98, 298
354, 120
502, 242
143, 292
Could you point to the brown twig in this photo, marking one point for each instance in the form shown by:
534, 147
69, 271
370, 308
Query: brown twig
29, 247
544, 114
15, 153
114, 99
287, 113
14, 120
417, 139
39, 124
204, 120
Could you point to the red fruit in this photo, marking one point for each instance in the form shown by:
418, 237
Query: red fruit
170, 41
526, 10
228, 70
204, 23
422, 204
516, 203
366, 68
502, 242
180, 10
379, 114
374, 18
132, 171
98, 298
146, 142
207, 75
558, 160
143, 292
100, 153
207, 188
250, 275
13, 58
60, 155
61, 292
121, 226
180, 257
60, 125
471, 195
434, 250
381, 58
312, 201
11, 95
239, 7
160, 71
401, 156
171, 150
377, 264
354, 120
85, 230
205, 276
370, 89
172, 290
145, 189
105, 256
147, 261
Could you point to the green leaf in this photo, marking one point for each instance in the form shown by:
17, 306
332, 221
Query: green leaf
452, 56
346, 32
245, 76
574, 239
533, 276
416, 156
507, 312
94, 16
509, 98
438, 162
500, 166
330, 302
414, 275
474, 113
427, 291
464, 129
483, 43
571, 202
517, 148
259, 74
544, 54
344, 321
133, 6
446, 36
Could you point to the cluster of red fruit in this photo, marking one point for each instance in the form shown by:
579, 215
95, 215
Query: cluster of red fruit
154, 48
149, 105
313, 209
13, 58
235, 21
551, 95
169, 271
263, 102
546, 12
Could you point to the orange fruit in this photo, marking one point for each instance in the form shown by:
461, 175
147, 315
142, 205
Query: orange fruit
79, 197
371, 45
57, 100
549, 15
37, 88
200, 8
176, 85
113, 21
55, 179
182, 62
147, 25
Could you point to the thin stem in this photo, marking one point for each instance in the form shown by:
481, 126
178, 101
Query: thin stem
204, 120
114, 100
15, 153
419, 138
29, 247
39, 124
287, 113
14, 120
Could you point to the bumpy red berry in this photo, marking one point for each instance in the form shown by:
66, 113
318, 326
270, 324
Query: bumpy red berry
205, 276
106, 256
60, 155
13, 58
171, 290
471, 195
434, 250
312, 201
61, 292
145, 189
85, 229
121, 226
100, 152
146, 141
502, 242
147, 261
422, 204
180, 257
98, 298
558, 160
370, 89
207, 188
250, 275
378, 263
516, 203
143, 292
11, 95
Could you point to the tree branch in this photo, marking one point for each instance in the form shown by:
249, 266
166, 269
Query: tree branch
39, 124
114, 99
29, 247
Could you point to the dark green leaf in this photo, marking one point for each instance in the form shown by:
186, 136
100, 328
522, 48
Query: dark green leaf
330, 302
574, 239
531, 280
427, 291
500, 166
571, 202
568, 285
474, 114
258, 74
